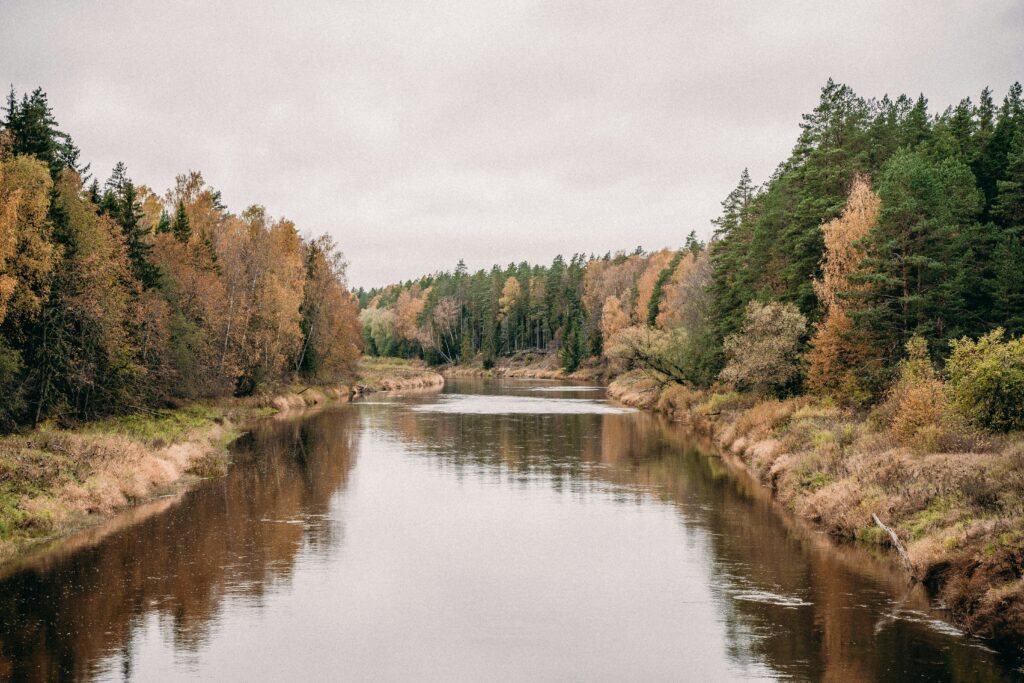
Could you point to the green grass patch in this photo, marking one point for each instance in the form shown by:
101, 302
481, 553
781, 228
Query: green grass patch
732, 400
933, 515
161, 428
812, 481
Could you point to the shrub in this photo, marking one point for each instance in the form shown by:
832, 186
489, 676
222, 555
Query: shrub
986, 380
650, 349
917, 410
764, 356
718, 403
677, 398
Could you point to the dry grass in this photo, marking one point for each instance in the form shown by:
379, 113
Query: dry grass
636, 388
54, 480
953, 494
391, 374
960, 511
677, 400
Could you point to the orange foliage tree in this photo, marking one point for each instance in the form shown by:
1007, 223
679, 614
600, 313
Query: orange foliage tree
656, 263
842, 357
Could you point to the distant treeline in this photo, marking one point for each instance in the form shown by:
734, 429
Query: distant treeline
114, 299
885, 223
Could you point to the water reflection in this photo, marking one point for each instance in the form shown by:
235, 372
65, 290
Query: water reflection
63, 615
788, 596
450, 538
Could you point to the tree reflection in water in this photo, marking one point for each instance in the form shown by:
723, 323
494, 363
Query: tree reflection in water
231, 537
777, 599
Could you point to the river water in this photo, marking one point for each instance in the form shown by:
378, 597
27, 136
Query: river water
499, 530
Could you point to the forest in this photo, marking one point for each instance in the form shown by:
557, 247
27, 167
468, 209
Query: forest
891, 235
116, 299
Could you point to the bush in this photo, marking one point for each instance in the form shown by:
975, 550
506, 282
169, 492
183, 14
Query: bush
764, 356
986, 380
918, 410
651, 349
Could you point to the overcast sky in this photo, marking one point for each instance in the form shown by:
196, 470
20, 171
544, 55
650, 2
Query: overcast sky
421, 132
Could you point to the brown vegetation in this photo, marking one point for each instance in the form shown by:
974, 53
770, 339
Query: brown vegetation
960, 511
54, 481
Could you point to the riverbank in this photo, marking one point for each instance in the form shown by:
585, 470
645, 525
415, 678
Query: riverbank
529, 365
55, 481
960, 515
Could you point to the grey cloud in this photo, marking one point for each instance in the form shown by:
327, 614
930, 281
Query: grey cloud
420, 132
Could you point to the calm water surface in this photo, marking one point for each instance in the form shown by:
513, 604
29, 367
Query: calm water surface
508, 530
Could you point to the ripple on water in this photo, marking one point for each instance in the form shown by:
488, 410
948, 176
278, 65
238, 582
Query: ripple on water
769, 598
566, 388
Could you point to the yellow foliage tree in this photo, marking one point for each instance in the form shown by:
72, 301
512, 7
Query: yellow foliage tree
613, 318
333, 339
510, 294
841, 356
27, 256
408, 308
646, 283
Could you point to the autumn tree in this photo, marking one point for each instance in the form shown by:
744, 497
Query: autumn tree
842, 360
613, 317
660, 353
764, 356
27, 260
331, 342
647, 285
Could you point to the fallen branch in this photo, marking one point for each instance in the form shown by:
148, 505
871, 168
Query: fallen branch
898, 545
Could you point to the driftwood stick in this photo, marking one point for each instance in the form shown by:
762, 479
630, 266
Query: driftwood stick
898, 544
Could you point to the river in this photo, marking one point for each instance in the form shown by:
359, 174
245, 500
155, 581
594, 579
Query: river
498, 530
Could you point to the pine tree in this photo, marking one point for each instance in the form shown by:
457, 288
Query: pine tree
164, 225
570, 352
136, 236
35, 132
181, 228
1008, 207
911, 253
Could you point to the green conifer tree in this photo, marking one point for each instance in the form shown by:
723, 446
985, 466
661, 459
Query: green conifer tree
180, 227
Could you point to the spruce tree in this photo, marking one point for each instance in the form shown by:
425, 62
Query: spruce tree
181, 228
163, 226
653, 306
35, 132
730, 247
912, 251
136, 236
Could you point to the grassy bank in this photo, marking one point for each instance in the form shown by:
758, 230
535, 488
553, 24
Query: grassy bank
960, 514
529, 365
54, 481
395, 374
